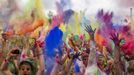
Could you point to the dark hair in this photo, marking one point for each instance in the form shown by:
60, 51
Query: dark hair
33, 68
130, 70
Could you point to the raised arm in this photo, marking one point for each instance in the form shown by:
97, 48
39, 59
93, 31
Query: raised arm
40, 58
117, 55
92, 54
4, 65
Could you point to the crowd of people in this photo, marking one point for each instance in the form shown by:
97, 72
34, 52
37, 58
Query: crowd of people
77, 57
57, 50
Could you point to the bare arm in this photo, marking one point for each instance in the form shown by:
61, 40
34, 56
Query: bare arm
92, 54
55, 69
4, 65
4, 68
117, 62
117, 55
41, 61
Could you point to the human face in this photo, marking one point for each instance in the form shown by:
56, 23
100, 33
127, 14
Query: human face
25, 69
85, 58
100, 60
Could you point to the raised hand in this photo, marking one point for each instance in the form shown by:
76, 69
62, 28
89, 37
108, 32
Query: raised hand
90, 31
105, 17
105, 20
117, 54
115, 38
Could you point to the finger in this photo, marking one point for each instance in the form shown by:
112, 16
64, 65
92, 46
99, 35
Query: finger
121, 39
94, 29
117, 35
86, 30
89, 27
85, 27
111, 36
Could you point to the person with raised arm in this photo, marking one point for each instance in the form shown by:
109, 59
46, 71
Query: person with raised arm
118, 67
24, 67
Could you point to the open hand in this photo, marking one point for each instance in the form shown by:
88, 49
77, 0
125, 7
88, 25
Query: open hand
115, 38
90, 31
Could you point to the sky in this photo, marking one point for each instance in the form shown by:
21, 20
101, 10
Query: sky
119, 7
